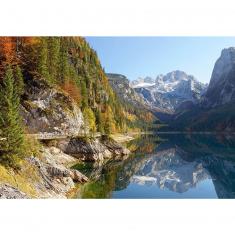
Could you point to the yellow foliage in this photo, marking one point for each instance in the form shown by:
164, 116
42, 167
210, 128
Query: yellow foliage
90, 119
20, 180
130, 117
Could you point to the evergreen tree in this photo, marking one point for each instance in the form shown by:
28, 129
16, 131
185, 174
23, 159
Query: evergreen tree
53, 57
10, 121
98, 119
84, 95
43, 59
19, 81
63, 62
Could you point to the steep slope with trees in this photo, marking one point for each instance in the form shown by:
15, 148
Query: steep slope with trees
57, 85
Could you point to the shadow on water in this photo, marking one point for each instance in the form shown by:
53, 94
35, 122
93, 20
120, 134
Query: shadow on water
181, 166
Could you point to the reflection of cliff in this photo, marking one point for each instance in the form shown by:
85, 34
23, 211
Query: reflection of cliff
216, 153
222, 172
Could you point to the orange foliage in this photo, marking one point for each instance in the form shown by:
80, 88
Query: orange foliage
71, 88
30, 40
7, 49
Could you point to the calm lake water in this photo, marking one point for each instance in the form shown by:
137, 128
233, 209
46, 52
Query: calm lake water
180, 166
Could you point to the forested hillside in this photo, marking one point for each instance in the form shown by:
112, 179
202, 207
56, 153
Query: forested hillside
41, 79
71, 65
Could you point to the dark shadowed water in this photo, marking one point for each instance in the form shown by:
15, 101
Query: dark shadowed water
181, 166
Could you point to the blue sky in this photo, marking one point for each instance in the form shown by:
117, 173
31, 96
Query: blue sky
150, 56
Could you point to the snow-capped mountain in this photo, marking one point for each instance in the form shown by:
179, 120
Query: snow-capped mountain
143, 82
169, 91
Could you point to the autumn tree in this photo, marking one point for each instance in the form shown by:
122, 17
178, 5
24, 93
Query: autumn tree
7, 50
90, 119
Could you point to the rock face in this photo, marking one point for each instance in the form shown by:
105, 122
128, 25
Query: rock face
9, 192
55, 178
93, 149
221, 89
48, 110
124, 91
169, 91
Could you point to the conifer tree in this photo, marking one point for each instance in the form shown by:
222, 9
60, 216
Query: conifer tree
43, 59
19, 81
63, 62
53, 57
10, 122
84, 95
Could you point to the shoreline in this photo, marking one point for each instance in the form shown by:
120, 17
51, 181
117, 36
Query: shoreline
196, 132
125, 137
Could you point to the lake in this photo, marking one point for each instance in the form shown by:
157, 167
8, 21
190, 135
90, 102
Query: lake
176, 166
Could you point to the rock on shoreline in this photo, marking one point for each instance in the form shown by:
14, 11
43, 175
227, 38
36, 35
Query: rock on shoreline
93, 149
53, 176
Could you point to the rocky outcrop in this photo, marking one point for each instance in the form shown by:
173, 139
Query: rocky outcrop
93, 149
49, 110
9, 192
56, 179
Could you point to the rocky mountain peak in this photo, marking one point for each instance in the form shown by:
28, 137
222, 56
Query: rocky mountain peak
168, 91
223, 66
221, 89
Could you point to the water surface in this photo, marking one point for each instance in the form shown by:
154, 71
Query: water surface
180, 166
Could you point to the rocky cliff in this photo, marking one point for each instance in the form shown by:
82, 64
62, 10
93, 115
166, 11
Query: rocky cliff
221, 89
48, 110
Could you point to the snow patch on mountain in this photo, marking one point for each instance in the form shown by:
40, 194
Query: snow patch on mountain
170, 90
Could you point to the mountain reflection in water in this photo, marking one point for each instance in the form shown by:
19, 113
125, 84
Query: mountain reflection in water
181, 166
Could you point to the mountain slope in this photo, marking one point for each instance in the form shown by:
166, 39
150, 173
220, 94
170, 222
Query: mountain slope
139, 111
70, 67
125, 92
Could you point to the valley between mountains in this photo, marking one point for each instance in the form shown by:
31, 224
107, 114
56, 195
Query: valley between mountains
59, 108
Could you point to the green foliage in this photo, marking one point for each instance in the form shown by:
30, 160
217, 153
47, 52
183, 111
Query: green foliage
43, 59
71, 64
10, 120
19, 81
90, 118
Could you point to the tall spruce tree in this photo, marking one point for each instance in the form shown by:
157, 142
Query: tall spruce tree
53, 57
43, 59
19, 81
10, 122
63, 62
